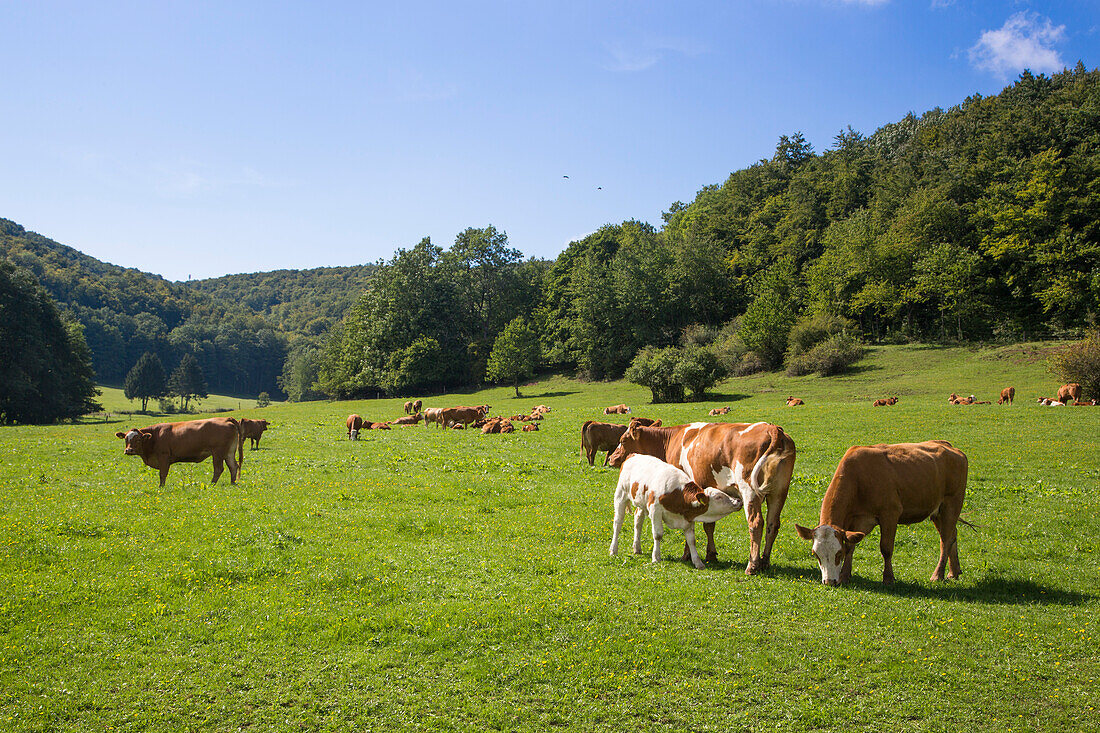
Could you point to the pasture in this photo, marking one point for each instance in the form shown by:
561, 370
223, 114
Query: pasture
423, 579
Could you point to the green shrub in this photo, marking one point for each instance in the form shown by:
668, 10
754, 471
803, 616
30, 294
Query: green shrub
832, 356
656, 369
699, 370
1081, 363
263, 399
811, 330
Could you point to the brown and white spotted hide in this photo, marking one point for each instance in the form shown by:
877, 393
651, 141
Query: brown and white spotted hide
530, 427
667, 496
754, 462
884, 486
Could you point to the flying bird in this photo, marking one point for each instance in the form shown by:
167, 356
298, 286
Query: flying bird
599, 188
565, 176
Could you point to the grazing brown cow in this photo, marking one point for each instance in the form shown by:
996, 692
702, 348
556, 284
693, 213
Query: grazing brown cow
1069, 392
600, 436
616, 410
355, 424
413, 419
461, 415
253, 430
530, 427
753, 461
408, 407
192, 441
417, 405
1007, 395
885, 402
794, 402
888, 485
719, 411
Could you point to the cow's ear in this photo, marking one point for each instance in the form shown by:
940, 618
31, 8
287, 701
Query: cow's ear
804, 532
656, 424
853, 538
121, 435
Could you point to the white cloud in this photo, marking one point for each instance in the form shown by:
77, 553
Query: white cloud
1024, 42
641, 55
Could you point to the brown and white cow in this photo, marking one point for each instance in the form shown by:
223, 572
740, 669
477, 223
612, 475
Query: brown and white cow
886, 402
753, 461
794, 402
355, 424
1007, 395
619, 409
667, 496
253, 430
1069, 392
530, 427
884, 486
192, 441
719, 411
1048, 402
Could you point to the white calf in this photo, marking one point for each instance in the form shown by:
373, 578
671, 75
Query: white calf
667, 496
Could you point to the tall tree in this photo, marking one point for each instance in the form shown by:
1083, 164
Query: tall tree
46, 373
187, 381
515, 354
145, 381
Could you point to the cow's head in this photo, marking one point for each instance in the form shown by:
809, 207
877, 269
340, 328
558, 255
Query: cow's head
627, 444
353, 434
830, 545
136, 441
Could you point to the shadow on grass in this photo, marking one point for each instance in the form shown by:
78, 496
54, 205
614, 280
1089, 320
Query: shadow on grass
724, 397
551, 394
992, 589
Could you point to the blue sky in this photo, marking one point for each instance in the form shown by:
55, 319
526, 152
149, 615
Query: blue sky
205, 138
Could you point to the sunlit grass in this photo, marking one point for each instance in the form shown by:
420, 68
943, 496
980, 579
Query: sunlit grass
445, 580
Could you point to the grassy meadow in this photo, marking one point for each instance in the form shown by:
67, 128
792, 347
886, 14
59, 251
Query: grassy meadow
114, 401
423, 579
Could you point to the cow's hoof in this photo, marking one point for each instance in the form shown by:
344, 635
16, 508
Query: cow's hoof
712, 557
752, 568
887, 579
699, 565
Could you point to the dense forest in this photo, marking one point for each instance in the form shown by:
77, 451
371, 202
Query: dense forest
977, 222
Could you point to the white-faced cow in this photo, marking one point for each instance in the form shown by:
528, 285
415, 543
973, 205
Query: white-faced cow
753, 461
884, 486
192, 441
668, 497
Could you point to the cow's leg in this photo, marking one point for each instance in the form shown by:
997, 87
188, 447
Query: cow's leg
162, 466
689, 538
234, 467
617, 523
947, 526
590, 455
756, 532
217, 469
639, 519
887, 529
712, 549
657, 524
771, 531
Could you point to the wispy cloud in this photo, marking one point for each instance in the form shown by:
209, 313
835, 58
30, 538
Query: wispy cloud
1024, 42
640, 55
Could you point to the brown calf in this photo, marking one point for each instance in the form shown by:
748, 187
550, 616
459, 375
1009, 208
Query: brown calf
1007, 395
600, 436
253, 430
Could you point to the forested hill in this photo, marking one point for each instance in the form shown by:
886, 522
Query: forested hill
307, 302
126, 312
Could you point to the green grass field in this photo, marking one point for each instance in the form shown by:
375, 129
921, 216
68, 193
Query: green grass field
114, 402
423, 579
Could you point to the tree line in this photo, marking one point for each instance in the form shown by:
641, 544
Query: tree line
977, 222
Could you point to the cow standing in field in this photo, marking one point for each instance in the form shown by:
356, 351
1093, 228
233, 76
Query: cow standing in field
432, 416
253, 430
192, 441
1069, 393
600, 436
461, 415
669, 497
884, 486
1007, 395
408, 407
355, 424
754, 461
417, 405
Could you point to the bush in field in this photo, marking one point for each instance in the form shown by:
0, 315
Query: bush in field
699, 370
263, 399
656, 369
1081, 363
831, 356
810, 331
671, 372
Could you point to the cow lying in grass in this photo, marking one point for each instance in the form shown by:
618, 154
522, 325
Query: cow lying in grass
884, 486
667, 496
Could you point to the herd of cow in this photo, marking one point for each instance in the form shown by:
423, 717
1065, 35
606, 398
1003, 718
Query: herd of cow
683, 474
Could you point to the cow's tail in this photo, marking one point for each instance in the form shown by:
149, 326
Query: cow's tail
240, 442
780, 449
584, 437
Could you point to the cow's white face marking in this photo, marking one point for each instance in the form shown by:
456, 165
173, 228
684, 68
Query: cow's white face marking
132, 439
829, 551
